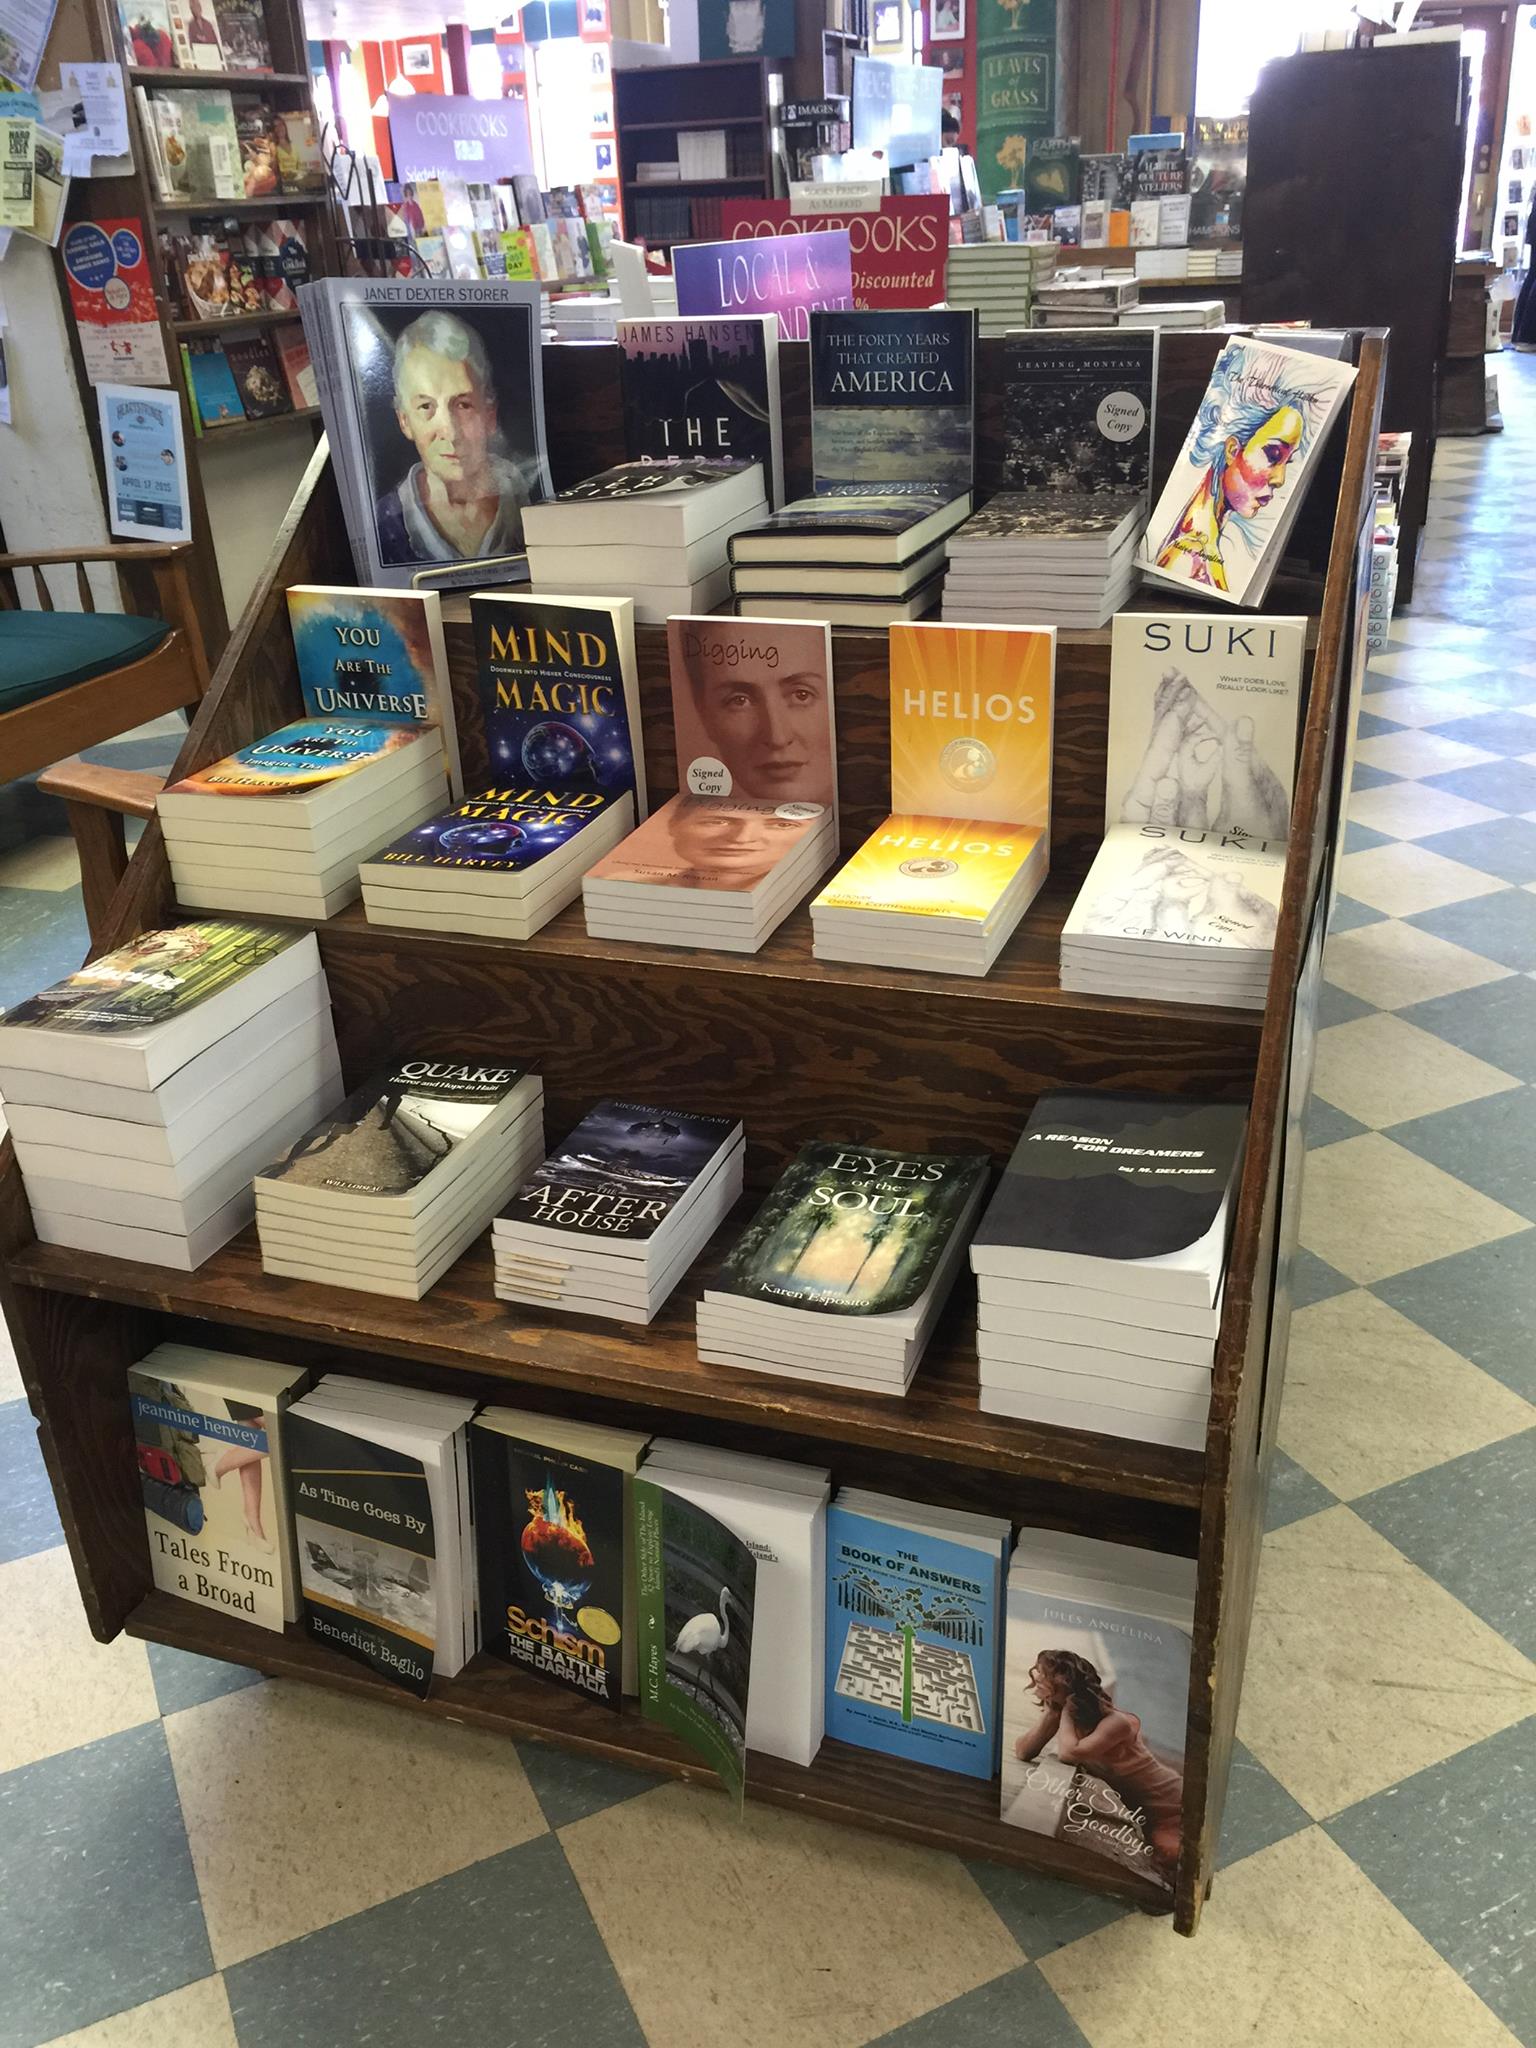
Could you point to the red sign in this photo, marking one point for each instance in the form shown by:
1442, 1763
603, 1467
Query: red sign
898, 253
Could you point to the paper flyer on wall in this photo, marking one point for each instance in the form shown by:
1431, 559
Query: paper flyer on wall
146, 463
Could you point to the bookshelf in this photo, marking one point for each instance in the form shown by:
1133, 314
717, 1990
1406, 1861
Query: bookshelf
286, 88
803, 1048
655, 105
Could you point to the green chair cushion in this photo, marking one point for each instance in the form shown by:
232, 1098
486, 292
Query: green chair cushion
41, 652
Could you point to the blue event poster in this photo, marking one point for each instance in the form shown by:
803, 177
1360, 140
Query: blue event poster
790, 275
145, 463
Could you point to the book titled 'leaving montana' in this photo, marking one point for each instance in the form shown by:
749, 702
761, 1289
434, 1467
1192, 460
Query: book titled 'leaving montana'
892, 402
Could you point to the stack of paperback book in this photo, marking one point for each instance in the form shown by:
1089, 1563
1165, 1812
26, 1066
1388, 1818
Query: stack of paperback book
144, 1092
870, 559
612, 1220
1183, 897
561, 717
754, 823
998, 281
654, 532
1096, 1697
779, 1510
379, 1480
1164, 314
280, 827
1058, 547
200, 1418
433, 402
1085, 301
384, 1195
946, 879
842, 1273
1099, 1265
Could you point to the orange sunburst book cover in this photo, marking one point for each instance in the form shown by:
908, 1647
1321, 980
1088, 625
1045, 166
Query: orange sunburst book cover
932, 867
971, 722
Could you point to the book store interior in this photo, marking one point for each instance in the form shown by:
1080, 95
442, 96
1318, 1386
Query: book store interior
767, 1245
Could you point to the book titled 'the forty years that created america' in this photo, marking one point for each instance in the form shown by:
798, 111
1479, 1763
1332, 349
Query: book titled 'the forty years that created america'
892, 402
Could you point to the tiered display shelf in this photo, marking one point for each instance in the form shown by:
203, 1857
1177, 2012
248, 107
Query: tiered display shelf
801, 1049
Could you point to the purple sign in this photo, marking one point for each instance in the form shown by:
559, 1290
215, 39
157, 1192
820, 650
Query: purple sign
791, 275
480, 141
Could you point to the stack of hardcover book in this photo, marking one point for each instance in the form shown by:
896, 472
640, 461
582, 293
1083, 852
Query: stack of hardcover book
385, 1194
946, 879
144, 1092
1085, 301
280, 827
870, 559
561, 717
1096, 1697
1065, 561
655, 532
379, 1480
1099, 1265
842, 1273
754, 824
998, 281
779, 1510
1164, 314
612, 1220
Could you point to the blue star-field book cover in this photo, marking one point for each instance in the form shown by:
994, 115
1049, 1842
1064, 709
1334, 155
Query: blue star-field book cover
558, 694
376, 654
500, 831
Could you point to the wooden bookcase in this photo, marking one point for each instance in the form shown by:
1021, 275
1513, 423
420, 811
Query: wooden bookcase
285, 88
652, 106
802, 1049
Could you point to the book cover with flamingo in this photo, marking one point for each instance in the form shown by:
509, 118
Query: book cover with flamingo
697, 1590
971, 722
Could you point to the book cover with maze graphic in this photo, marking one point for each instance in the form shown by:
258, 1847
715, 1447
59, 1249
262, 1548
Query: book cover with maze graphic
912, 1643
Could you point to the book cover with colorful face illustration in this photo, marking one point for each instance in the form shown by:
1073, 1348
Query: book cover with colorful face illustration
558, 693
971, 715
932, 867
1221, 518
912, 1643
703, 387
549, 1539
1204, 717
1095, 1704
1156, 884
892, 401
299, 757
851, 1231
499, 832
155, 977
374, 654
697, 1588
368, 1571
1077, 410
752, 702
621, 1172
714, 843
396, 1129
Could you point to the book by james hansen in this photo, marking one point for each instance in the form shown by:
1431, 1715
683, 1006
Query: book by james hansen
558, 694
1204, 717
1077, 411
155, 977
752, 703
626, 480
892, 401
621, 1172
550, 1533
703, 387
912, 1643
1077, 1669
498, 832
697, 1585
1220, 522
298, 757
971, 714
374, 654
850, 1231
368, 1571
931, 867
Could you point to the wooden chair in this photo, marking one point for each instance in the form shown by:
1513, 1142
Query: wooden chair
73, 679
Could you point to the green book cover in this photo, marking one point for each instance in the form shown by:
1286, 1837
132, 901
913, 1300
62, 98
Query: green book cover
696, 1586
852, 1231
156, 976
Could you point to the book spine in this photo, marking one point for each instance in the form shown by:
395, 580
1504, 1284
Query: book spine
650, 1609
186, 372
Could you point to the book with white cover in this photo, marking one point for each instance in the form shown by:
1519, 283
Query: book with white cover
1154, 891
1204, 718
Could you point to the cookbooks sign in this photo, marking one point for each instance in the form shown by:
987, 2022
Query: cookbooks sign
898, 253
442, 136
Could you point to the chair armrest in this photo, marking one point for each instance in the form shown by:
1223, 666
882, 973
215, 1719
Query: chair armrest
128, 551
131, 792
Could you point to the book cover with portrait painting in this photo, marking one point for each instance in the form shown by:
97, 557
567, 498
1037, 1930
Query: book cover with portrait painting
432, 395
752, 701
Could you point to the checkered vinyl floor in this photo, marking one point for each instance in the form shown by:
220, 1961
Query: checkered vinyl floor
193, 1858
